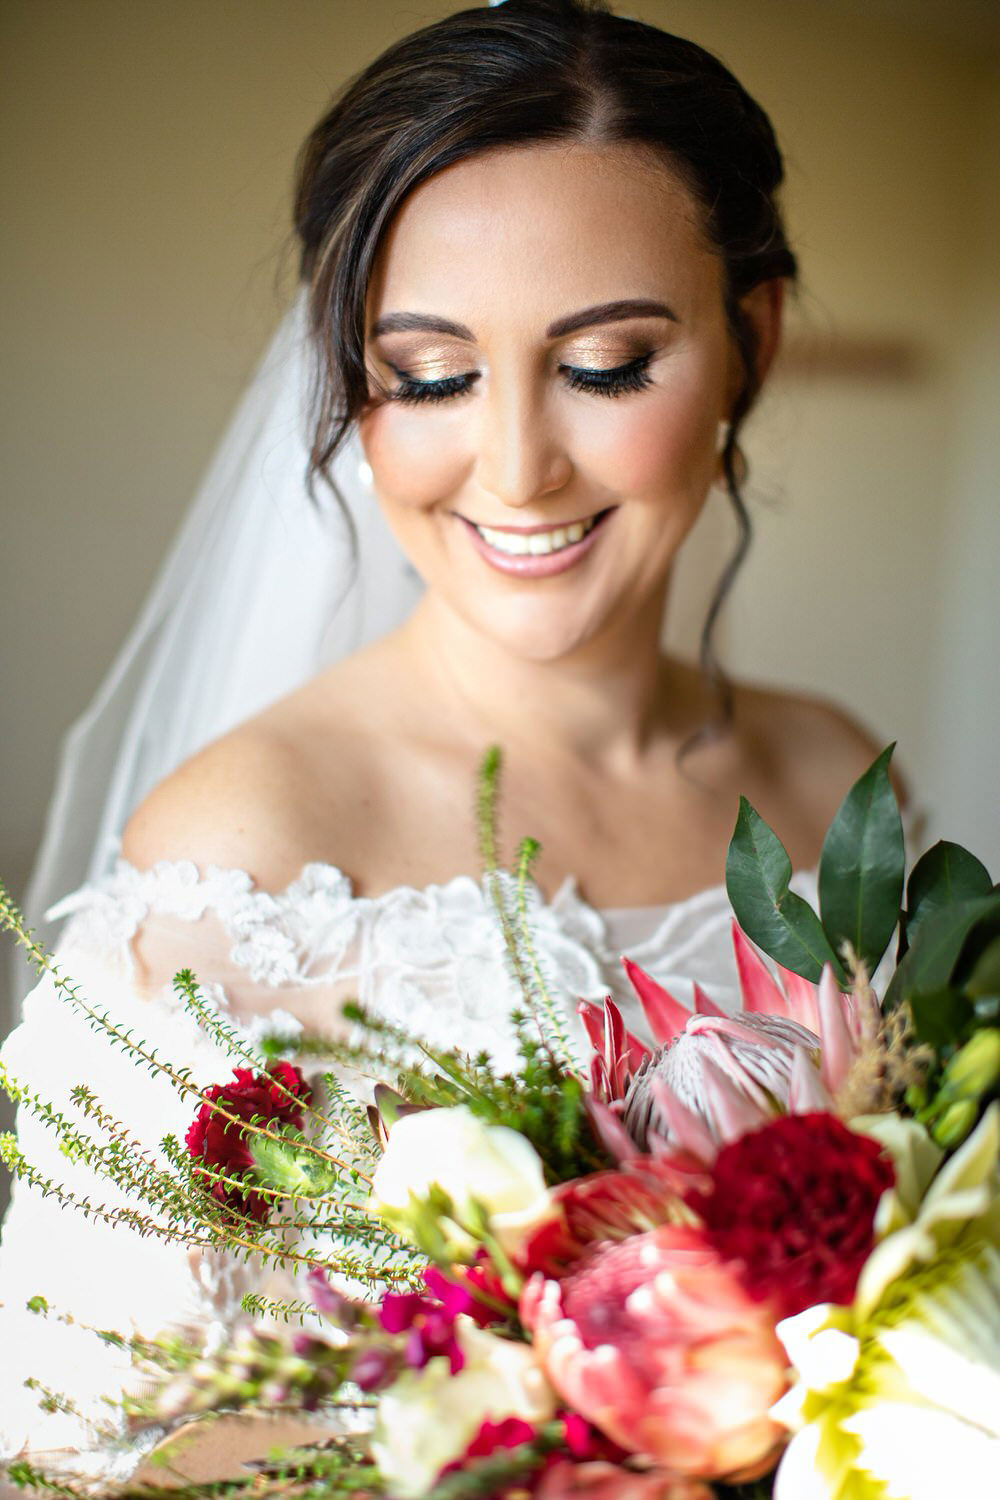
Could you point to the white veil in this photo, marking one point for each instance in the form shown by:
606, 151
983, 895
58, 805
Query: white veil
258, 592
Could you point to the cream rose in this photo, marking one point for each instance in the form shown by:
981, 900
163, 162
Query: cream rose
428, 1417
489, 1165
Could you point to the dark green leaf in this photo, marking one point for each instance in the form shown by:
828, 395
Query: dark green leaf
984, 980
940, 1017
778, 921
982, 935
930, 961
862, 865
987, 1009
946, 873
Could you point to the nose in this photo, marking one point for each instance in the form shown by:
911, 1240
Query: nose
520, 457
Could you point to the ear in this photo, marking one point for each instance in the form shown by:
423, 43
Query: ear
764, 307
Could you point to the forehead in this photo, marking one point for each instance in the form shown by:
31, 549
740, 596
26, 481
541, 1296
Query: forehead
539, 230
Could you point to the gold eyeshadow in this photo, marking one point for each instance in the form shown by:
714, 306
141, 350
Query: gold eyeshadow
423, 363
600, 349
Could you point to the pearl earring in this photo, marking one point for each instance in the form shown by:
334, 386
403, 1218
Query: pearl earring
721, 436
365, 473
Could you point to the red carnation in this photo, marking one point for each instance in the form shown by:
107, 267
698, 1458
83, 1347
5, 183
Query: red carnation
274, 1097
795, 1202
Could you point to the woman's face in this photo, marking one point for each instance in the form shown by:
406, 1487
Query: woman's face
549, 324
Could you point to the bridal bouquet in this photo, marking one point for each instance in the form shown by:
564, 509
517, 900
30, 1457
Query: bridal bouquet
758, 1256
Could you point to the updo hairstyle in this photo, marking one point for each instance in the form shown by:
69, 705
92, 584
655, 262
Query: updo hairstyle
510, 75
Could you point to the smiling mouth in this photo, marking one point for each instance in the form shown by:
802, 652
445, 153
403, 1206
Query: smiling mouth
536, 541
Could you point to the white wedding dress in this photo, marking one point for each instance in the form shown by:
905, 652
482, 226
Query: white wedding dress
431, 960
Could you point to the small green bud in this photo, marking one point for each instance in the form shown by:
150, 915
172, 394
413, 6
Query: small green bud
915, 1097
975, 1069
955, 1122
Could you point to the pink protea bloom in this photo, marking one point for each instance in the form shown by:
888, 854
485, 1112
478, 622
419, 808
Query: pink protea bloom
712, 1077
655, 1342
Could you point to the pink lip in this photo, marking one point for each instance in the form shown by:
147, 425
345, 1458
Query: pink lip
528, 566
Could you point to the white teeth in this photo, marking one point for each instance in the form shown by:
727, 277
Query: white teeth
536, 543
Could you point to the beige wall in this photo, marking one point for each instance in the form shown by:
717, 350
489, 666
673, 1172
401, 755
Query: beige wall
147, 154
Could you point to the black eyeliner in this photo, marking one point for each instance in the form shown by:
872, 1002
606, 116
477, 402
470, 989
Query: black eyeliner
632, 376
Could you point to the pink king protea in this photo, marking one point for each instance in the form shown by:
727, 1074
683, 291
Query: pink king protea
713, 1077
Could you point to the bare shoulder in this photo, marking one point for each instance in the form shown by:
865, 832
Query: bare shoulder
815, 746
256, 800
227, 805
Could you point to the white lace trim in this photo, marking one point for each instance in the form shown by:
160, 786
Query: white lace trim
429, 960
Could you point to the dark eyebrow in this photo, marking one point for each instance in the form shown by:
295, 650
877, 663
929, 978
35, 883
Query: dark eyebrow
610, 312
420, 322
604, 312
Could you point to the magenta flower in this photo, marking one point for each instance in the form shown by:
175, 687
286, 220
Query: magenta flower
430, 1321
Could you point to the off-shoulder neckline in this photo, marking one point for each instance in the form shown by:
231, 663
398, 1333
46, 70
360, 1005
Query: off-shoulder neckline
189, 873
187, 876
182, 883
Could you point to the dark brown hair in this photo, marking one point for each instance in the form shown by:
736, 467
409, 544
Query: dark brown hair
513, 74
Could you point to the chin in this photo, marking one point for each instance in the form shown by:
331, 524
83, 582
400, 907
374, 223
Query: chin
527, 635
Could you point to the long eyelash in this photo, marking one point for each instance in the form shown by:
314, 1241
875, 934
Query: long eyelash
631, 377
432, 390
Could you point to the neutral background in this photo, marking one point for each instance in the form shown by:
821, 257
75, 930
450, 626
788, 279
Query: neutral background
147, 153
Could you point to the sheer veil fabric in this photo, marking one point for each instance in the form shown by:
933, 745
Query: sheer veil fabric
259, 591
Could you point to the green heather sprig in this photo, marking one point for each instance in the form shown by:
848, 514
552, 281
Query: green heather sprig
516, 929
542, 1101
180, 1078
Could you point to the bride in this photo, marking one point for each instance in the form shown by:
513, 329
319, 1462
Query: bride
543, 266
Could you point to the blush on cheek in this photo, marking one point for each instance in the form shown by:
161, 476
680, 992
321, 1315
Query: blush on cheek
664, 449
414, 461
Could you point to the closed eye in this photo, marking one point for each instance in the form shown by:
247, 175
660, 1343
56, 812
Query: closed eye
633, 376
412, 390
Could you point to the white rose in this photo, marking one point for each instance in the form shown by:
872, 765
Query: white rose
428, 1417
470, 1161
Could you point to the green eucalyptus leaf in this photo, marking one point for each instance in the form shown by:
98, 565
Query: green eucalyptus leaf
944, 874
862, 865
930, 962
776, 919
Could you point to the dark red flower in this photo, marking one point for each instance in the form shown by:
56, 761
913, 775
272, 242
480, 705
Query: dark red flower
511, 1432
493, 1437
274, 1097
794, 1203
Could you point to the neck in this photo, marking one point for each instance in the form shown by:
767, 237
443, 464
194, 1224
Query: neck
601, 703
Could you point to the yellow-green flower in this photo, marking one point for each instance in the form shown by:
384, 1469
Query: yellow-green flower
898, 1395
